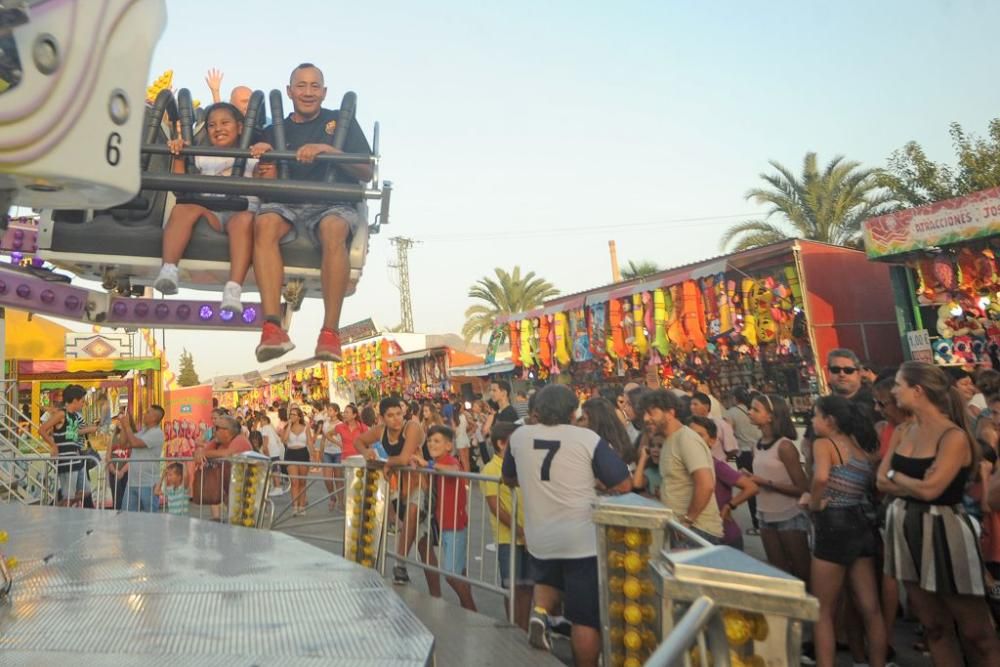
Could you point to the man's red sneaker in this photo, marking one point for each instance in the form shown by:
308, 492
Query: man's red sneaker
274, 342
328, 346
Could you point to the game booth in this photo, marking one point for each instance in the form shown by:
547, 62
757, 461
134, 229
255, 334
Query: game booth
946, 277
764, 318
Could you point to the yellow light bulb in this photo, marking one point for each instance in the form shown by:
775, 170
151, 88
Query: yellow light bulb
616, 609
632, 661
616, 535
633, 538
633, 562
615, 584
632, 640
648, 613
738, 630
616, 559
616, 634
632, 614
248, 522
632, 588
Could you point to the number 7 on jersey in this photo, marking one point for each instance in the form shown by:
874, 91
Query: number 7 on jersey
552, 446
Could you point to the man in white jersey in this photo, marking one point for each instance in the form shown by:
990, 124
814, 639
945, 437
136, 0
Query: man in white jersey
557, 465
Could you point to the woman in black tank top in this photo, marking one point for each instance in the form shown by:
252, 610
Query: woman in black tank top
930, 543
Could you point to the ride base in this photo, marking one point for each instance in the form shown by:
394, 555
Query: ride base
100, 588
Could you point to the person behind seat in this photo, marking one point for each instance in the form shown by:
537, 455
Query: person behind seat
239, 97
309, 132
225, 125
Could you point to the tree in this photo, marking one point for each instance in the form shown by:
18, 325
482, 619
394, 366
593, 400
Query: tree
187, 377
508, 293
640, 269
827, 206
915, 180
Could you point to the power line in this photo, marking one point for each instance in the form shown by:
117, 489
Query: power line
597, 229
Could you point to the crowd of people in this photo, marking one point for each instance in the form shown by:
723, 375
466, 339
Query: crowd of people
887, 500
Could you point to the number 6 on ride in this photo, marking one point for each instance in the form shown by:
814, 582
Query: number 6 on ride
552, 446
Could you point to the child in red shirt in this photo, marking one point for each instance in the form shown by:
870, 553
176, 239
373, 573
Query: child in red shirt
451, 511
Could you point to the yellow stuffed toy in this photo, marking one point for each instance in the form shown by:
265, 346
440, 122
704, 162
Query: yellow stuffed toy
640, 342
562, 338
660, 341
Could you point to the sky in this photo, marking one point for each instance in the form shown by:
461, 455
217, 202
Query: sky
532, 133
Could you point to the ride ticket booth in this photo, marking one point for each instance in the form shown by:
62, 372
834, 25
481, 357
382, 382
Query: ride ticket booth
945, 273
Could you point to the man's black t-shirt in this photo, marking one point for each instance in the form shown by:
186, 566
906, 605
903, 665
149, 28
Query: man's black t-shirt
319, 130
508, 414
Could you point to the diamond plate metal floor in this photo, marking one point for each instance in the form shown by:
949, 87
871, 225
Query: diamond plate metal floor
99, 588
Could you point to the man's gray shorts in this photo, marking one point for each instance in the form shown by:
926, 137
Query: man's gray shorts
305, 218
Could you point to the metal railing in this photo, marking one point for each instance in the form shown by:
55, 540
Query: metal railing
701, 629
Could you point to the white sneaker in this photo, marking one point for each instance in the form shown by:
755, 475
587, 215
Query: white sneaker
231, 298
166, 281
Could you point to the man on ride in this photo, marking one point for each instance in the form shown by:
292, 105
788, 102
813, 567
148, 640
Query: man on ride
401, 440
309, 131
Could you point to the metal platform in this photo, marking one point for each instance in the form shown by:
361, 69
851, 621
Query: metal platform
99, 588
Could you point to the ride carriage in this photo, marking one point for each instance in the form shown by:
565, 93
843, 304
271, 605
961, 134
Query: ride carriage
121, 246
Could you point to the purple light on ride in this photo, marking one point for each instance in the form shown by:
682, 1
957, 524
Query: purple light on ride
47, 296
226, 315
37, 262
183, 311
161, 311
16, 257
72, 302
141, 309
206, 312
23, 291
119, 309
249, 314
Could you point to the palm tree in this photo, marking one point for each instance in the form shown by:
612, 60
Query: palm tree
828, 206
508, 293
640, 269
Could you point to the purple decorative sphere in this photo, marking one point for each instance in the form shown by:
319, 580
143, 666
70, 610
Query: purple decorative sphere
161, 311
141, 309
249, 314
23, 291
226, 315
183, 311
206, 312
119, 309
47, 296
72, 302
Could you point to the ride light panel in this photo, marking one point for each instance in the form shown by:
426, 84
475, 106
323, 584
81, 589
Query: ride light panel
178, 314
36, 294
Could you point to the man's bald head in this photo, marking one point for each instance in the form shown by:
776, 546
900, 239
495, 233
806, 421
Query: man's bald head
240, 98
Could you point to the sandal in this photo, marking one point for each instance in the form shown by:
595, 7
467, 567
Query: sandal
753, 531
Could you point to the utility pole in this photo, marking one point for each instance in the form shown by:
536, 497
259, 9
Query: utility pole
616, 274
402, 268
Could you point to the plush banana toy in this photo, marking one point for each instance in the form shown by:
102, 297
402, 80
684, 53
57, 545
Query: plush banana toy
527, 354
562, 338
660, 341
749, 314
793, 284
640, 342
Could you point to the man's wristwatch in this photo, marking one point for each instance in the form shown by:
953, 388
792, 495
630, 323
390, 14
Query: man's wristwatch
890, 475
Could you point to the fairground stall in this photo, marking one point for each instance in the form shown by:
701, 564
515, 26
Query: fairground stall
473, 380
426, 373
762, 318
945, 277
111, 384
369, 370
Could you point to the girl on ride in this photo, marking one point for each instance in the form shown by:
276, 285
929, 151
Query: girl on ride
930, 542
224, 124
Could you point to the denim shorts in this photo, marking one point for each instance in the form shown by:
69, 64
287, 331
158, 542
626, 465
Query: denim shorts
453, 544
331, 458
521, 563
305, 218
798, 522
73, 483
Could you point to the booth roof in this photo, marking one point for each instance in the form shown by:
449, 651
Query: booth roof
56, 367
481, 370
746, 260
455, 358
34, 338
